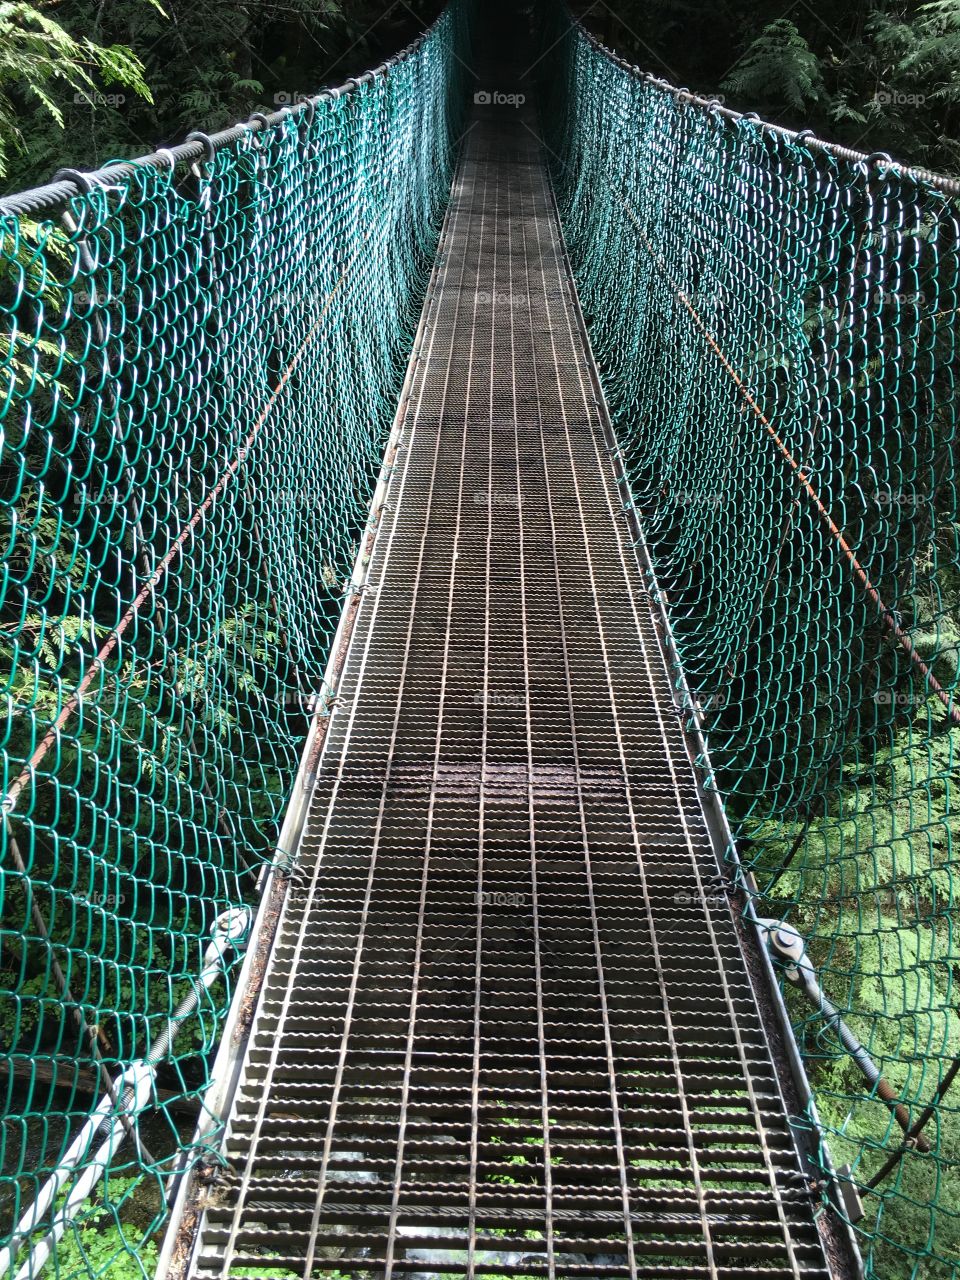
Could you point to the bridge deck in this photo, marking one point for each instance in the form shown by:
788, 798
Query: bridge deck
505, 1027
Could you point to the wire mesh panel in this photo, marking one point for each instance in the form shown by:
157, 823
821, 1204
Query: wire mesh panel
780, 356
198, 366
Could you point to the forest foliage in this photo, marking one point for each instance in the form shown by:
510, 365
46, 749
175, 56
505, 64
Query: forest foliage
83, 82
875, 75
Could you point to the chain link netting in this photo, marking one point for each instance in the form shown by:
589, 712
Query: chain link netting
197, 373
199, 366
775, 322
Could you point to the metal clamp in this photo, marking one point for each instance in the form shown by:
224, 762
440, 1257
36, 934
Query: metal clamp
209, 150
787, 946
880, 159
76, 176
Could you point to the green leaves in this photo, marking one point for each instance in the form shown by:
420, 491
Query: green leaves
42, 61
778, 66
119, 65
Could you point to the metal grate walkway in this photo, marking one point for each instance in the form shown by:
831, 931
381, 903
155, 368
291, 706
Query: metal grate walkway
506, 1028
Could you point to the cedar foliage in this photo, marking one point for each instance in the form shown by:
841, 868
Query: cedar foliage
877, 75
83, 82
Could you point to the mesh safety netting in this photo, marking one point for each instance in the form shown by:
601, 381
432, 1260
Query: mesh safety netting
200, 358
775, 321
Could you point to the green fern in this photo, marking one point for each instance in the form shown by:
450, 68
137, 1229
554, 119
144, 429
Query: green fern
41, 60
778, 66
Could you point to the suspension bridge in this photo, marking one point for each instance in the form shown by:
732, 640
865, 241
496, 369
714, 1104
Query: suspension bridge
482, 602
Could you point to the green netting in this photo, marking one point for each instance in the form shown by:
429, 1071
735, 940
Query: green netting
776, 326
198, 369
